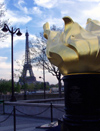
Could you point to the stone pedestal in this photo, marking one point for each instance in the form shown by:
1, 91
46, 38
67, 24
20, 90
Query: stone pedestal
82, 102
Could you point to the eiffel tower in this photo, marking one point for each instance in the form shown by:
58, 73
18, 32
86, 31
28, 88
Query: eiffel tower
27, 65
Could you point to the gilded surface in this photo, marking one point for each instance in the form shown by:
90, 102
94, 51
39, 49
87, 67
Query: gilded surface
74, 50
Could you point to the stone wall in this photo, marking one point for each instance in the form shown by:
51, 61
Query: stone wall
29, 97
26, 108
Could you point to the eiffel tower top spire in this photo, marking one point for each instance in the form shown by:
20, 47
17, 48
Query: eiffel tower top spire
27, 54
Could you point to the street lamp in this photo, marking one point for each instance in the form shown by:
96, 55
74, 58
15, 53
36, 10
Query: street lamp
44, 84
43, 50
18, 33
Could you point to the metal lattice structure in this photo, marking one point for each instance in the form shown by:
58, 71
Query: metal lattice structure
27, 65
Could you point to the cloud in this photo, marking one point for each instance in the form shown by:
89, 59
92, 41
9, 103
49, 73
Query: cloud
63, 12
89, 0
3, 63
46, 3
19, 38
21, 2
16, 39
52, 3
66, 2
2, 1
36, 10
21, 6
5, 74
6, 43
19, 55
2, 58
5, 68
93, 12
17, 18
52, 21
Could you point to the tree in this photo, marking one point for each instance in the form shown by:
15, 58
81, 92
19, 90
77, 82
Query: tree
2, 21
17, 87
21, 77
37, 50
5, 86
31, 87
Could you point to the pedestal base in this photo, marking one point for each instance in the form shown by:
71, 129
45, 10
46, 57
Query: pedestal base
82, 102
80, 127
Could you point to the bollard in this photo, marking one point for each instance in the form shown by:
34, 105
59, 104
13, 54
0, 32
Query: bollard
51, 113
3, 108
2, 102
14, 116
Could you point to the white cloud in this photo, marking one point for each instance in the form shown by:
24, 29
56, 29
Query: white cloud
21, 2
19, 55
63, 12
5, 68
19, 38
16, 18
36, 10
7, 42
46, 3
31, 36
53, 3
4, 45
66, 2
92, 13
52, 21
5, 74
2, 1
2, 58
20, 6
3, 63
89, 0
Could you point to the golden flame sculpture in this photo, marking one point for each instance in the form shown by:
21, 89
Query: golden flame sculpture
74, 50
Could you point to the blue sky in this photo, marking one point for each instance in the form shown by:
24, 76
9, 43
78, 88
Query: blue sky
31, 15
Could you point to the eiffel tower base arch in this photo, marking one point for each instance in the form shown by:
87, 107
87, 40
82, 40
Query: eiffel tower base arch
28, 79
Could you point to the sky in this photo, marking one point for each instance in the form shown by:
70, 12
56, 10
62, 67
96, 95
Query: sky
31, 15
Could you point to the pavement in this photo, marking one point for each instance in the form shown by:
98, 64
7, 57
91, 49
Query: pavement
23, 123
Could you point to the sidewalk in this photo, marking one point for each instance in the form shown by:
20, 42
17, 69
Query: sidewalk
22, 123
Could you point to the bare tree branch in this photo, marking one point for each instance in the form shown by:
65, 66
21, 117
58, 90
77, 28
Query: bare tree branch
39, 57
2, 21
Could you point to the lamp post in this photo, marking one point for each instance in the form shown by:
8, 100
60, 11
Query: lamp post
18, 33
43, 50
44, 71
44, 84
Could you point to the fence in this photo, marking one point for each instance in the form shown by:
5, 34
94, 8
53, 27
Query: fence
13, 112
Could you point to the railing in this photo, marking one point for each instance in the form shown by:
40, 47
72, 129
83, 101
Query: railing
13, 112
